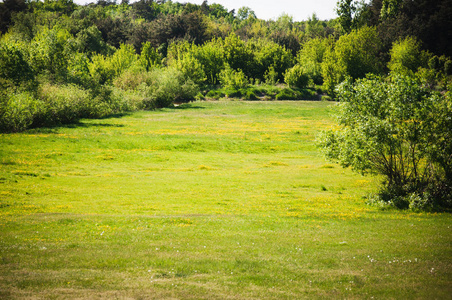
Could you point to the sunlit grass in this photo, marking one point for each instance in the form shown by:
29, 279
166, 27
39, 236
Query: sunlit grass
209, 200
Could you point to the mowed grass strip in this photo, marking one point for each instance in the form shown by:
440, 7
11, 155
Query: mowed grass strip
211, 200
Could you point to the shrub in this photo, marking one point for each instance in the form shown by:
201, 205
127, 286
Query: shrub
149, 58
311, 57
131, 78
17, 111
100, 69
191, 68
400, 130
288, 94
169, 86
50, 52
122, 59
355, 55
215, 94
230, 78
62, 104
271, 76
296, 77
249, 95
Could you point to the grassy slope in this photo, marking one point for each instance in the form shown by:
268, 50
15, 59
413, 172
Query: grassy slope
215, 200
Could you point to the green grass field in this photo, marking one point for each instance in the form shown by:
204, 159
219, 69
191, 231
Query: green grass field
211, 200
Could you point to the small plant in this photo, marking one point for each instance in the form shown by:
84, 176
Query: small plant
271, 76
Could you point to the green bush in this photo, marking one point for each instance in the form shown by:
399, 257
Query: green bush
149, 58
132, 78
396, 128
249, 95
169, 85
232, 92
17, 111
296, 77
234, 79
62, 104
311, 57
288, 94
215, 94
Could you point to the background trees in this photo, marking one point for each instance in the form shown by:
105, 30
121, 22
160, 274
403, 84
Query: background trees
105, 47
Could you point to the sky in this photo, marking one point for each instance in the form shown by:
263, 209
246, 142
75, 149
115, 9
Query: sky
300, 10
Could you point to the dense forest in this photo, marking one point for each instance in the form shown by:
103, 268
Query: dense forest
60, 61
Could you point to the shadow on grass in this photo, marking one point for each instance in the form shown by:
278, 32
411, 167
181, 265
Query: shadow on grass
186, 106
77, 124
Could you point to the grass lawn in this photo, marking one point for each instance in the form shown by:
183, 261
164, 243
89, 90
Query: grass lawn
211, 200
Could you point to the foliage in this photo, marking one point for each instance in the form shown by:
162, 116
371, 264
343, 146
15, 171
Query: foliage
234, 79
89, 40
62, 105
149, 58
17, 111
168, 86
296, 77
352, 14
13, 64
181, 57
354, 55
50, 52
237, 54
426, 20
311, 58
110, 50
122, 59
271, 76
407, 57
393, 128
211, 56
269, 57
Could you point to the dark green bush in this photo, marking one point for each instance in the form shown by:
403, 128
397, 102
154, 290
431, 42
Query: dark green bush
288, 94
13, 65
249, 95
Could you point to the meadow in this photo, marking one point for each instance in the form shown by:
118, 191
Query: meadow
207, 200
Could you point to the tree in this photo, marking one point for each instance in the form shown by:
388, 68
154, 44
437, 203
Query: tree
311, 57
50, 52
346, 10
7, 9
354, 54
145, 9
149, 58
407, 56
13, 65
245, 13
427, 20
397, 129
